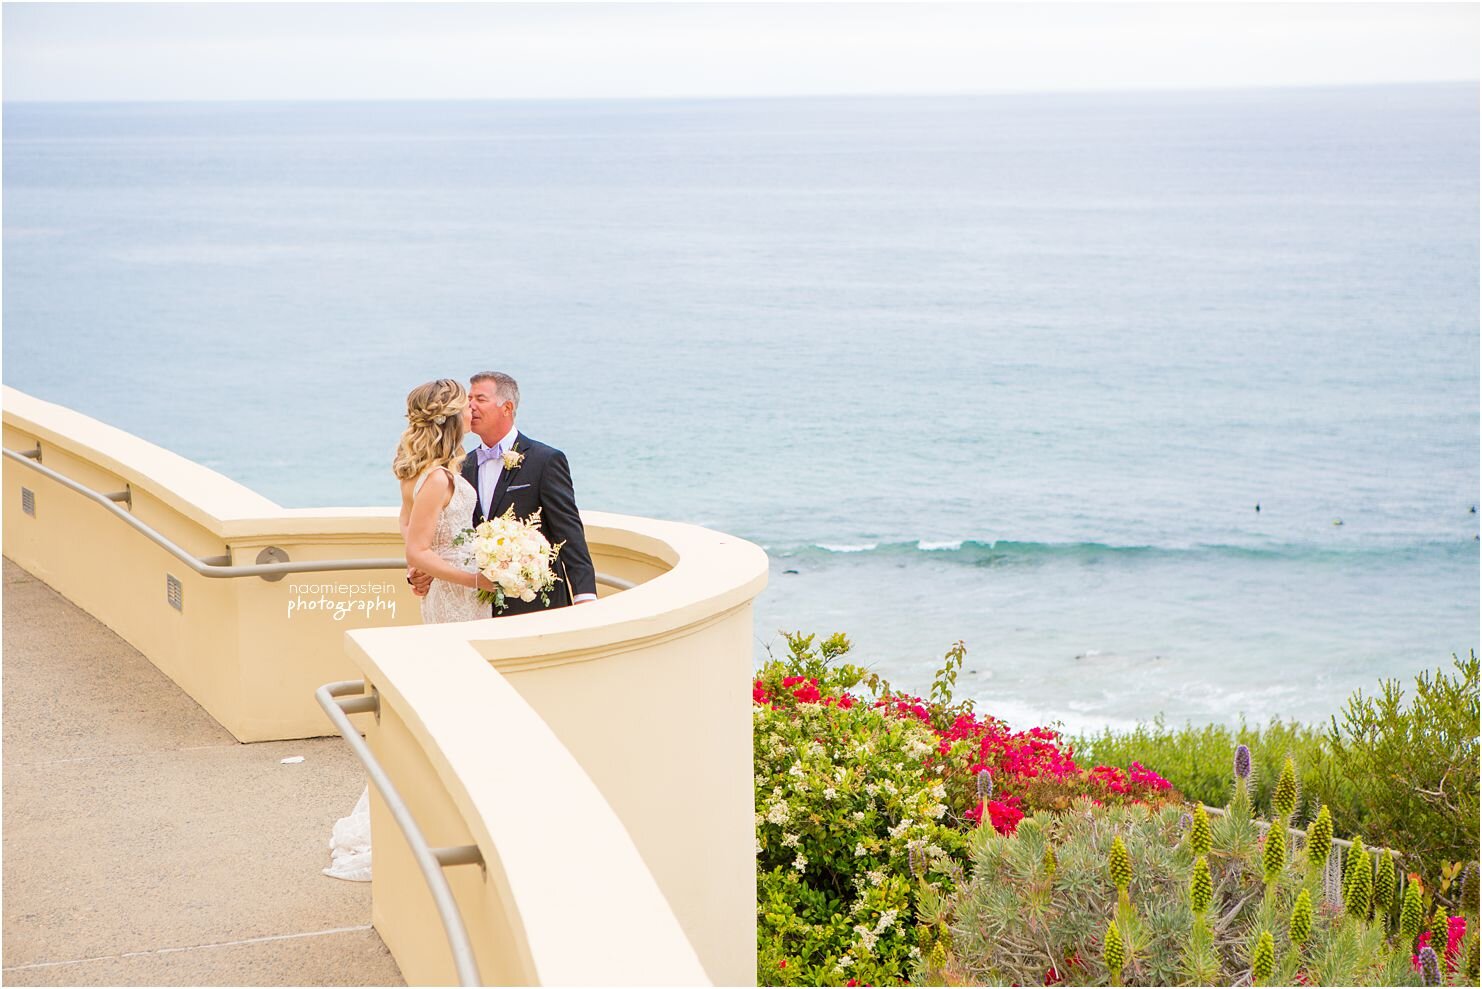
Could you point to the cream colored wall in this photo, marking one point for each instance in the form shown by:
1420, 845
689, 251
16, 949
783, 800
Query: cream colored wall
649, 691
665, 732
567, 898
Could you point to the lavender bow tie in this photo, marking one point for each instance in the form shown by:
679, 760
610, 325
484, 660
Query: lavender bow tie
486, 453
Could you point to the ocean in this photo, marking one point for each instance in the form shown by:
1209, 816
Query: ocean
1014, 370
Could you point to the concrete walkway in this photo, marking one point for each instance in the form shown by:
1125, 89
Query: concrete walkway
143, 845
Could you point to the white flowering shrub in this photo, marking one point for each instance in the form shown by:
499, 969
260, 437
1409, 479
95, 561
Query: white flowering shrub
844, 805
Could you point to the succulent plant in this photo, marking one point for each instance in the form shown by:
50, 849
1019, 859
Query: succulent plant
1201, 886
1200, 837
1284, 798
1050, 863
1350, 860
1300, 927
937, 956
1119, 865
1263, 959
1242, 762
1412, 913
996, 940
1273, 858
1430, 967
1320, 837
1114, 953
1469, 890
1384, 881
1439, 929
1361, 887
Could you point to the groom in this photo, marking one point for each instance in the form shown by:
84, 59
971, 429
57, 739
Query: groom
509, 468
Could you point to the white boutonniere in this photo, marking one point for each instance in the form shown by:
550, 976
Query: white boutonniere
513, 459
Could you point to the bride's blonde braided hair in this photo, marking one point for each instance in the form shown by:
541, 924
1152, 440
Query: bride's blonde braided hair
434, 433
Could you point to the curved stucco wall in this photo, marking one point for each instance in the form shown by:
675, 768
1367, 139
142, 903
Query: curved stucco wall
647, 691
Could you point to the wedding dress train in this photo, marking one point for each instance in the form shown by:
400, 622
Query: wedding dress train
350, 841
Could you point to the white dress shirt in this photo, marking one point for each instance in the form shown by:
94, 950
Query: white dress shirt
490, 470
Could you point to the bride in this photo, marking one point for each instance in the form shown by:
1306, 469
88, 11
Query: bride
436, 504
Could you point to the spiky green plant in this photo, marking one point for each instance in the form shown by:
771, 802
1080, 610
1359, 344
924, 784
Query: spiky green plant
1009, 927
1361, 885
1468, 894
1412, 914
1284, 798
1201, 887
1049, 861
1114, 953
1350, 857
1119, 867
1384, 882
1273, 857
1299, 928
1320, 837
1200, 839
1263, 959
1438, 929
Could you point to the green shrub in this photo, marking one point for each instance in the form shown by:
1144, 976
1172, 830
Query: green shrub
1411, 770
842, 800
1198, 760
1403, 774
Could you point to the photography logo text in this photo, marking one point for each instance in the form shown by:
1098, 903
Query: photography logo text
339, 600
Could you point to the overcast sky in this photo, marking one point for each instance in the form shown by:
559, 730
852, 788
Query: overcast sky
482, 51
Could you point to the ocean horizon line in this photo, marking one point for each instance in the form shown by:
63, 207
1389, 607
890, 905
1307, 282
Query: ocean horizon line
1234, 88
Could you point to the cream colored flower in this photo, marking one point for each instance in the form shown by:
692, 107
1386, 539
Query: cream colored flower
513, 459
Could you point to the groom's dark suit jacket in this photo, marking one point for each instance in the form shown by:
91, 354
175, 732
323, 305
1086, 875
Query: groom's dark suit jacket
543, 481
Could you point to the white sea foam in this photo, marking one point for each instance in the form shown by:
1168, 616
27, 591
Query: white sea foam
953, 544
848, 547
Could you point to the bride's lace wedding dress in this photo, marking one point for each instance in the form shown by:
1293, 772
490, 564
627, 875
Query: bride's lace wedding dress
447, 602
350, 841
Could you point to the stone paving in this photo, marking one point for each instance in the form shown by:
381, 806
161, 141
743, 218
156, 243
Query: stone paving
143, 845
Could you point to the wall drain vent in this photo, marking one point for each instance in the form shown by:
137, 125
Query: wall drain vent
28, 501
173, 594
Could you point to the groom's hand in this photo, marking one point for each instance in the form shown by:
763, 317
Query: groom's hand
420, 581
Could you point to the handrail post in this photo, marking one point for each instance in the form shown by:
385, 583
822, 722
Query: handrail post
430, 861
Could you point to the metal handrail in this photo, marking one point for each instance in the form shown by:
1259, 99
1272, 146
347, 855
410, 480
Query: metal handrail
221, 566
430, 860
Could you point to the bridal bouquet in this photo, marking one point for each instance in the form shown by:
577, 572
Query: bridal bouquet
515, 557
